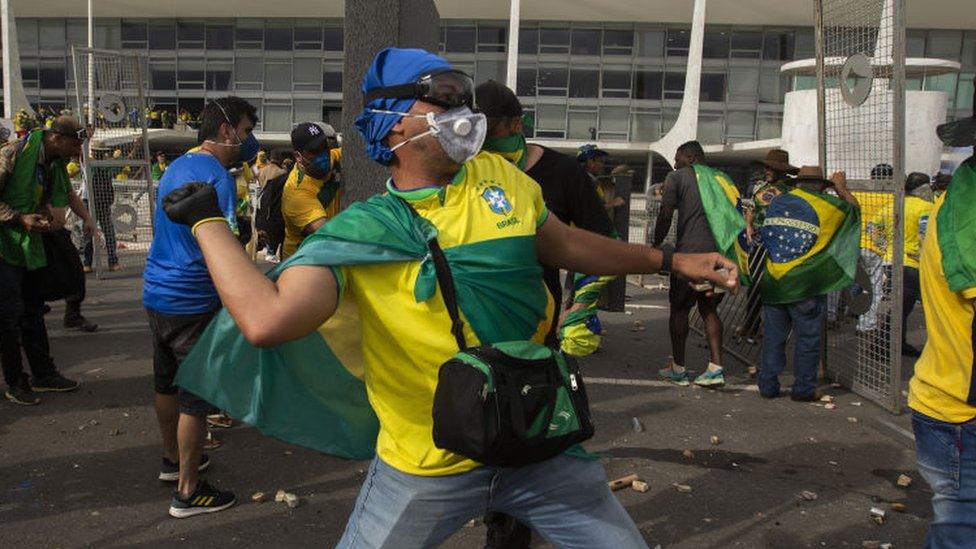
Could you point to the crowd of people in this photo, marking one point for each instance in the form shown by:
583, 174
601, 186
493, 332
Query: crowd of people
466, 246
156, 117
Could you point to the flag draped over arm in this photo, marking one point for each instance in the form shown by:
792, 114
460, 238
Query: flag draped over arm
957, 228
720, 200
309, 391
812, 241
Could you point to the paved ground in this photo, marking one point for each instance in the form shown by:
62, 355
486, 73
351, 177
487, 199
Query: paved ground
80, 469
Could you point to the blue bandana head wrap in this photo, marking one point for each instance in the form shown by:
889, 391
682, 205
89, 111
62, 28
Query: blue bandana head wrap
391, 67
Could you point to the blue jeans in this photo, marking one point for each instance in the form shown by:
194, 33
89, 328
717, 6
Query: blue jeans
946, 454
565, 499
806, 319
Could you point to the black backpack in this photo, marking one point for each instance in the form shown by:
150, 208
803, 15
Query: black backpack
268, 217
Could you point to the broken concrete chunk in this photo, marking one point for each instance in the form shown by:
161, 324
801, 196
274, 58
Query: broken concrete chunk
878, 515
904, 481
259, 497
688, 454
826, 398
637, 425
292, 500
808, 495
715, 440
683, 488
852, 419
829, 406
280, 496
640, 486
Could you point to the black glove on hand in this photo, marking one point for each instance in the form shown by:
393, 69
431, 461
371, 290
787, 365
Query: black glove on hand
192, 203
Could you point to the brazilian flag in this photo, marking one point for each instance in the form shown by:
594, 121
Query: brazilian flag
812, 241
309, 391
957, 228
723, 209
581, 331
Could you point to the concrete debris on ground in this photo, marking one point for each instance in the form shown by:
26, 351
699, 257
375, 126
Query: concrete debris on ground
640, 486
904, 481
259, 497
878, 515
826, 398
829, 406
808, 495
683, 488
688, 454
715, 440
898, 507
622, 482
637, 425
852, 419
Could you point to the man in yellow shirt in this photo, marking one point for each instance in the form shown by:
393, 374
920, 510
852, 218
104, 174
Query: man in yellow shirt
312, 192
418, 120
918, 204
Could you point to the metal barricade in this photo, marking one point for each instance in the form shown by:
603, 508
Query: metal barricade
118, 187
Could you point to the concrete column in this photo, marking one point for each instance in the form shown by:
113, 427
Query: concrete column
14, 98
369, 26
511, 69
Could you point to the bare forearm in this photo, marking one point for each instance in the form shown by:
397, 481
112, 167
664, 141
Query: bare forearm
614, 257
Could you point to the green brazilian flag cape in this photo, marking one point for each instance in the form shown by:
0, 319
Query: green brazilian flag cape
813, 243
310, 391
720, 200
957, 228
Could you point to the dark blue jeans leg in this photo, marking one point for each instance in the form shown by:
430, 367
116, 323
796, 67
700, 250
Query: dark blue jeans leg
946, 455
776, 328
808, 320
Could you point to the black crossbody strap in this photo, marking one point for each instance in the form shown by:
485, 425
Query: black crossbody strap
446, 282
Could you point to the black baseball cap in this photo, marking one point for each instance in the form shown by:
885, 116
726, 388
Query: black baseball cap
497, 100
310, 135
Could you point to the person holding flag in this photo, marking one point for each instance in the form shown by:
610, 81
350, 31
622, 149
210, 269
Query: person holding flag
811, 238
710, 219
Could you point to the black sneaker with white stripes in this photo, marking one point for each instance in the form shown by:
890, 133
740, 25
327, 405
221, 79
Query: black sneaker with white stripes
170, 471
205, 499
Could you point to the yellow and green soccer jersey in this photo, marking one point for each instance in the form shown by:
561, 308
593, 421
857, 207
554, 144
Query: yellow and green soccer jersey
877, 216
916, 221
405, 342
302, 203
943, 382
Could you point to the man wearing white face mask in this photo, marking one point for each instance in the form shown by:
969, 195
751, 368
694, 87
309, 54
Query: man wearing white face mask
180, 299
495, 229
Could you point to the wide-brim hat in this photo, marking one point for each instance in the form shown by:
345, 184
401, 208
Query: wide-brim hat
958, 133
811, 174
779, 160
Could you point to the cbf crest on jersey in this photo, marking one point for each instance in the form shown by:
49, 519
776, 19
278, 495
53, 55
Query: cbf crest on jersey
497, 201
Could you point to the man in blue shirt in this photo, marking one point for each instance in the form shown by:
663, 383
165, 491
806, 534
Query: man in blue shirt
180, 299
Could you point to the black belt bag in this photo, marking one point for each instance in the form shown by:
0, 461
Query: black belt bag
506, 404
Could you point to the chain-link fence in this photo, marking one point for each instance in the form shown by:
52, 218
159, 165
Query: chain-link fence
118, 184
860, 59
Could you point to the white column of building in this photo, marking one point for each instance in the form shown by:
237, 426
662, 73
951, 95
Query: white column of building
8, 106
91, 66
511, 69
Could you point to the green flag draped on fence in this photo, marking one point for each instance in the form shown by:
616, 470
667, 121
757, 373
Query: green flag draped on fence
720, 200
812, 241
310, 391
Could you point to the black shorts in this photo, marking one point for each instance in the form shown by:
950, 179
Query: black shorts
173, 337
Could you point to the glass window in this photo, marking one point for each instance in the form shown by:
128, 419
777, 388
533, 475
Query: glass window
192, 34
964, 95
647, 84
582, 124
28, 72
772, 86
50, 34
616, 83
189, 74
678, 42
525, 85
805, 44
715, 44
277, 118
162, 36
77, 32
528, 40
746, 44
710, 127
645, 126
332, 78
614, 119
308, 73
778, 46
220, 37
133, 34
308, 38
553, 81
460, 39
914, 43
668, 118
277, 76
770, 126
218, 76
248, 69
743, 83
278, 38
618, 42
52, 77
249, 33
307, 110
489, 70
969, 50
584, 83
586, 42
553, 40
740, 126
162, 76
106, 36
943, 44
804, 83
712, 87
550, 117
27, 34
650, 43
492, 38
333, 38
674, 85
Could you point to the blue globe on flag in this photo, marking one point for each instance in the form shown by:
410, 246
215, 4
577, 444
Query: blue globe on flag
791, 228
